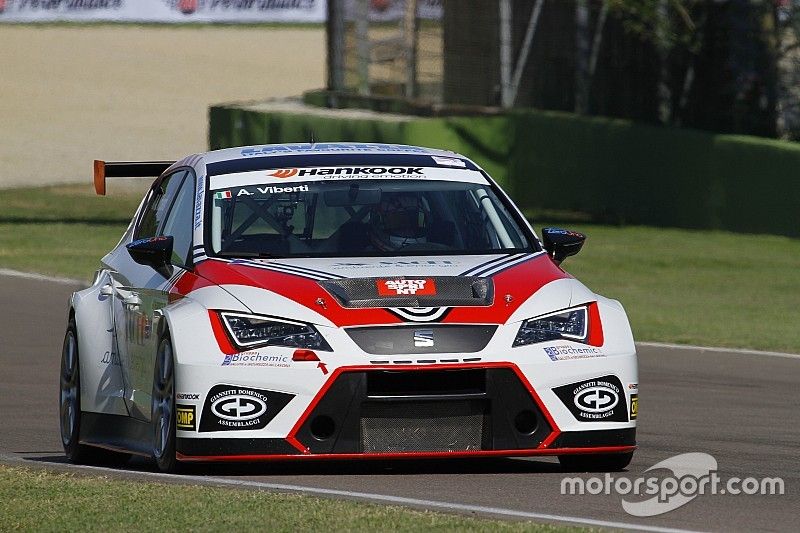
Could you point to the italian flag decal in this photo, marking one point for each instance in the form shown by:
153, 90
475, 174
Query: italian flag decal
222, 195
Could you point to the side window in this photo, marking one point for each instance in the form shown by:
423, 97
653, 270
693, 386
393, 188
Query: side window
158, 205
179, 222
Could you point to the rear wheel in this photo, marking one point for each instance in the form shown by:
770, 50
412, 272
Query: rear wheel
70, 398
70, 407
163, 408
596, 462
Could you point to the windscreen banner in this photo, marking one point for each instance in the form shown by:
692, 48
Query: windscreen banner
163, 11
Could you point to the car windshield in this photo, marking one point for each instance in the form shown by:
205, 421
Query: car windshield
361, 217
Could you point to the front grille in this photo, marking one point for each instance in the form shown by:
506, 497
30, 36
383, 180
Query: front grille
417, 339
424, 410
422, 426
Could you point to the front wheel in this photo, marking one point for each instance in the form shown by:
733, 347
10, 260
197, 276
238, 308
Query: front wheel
163, 408
596, 462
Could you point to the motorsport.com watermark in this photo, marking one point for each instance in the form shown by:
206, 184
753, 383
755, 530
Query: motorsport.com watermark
692, 475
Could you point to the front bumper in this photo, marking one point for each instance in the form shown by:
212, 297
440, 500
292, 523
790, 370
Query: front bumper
487, 409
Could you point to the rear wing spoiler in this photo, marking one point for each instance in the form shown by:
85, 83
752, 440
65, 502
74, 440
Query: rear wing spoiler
118, 169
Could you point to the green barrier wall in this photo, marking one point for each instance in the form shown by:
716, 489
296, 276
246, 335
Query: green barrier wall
615, 171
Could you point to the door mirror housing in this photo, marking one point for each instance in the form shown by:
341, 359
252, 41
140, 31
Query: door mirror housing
561, 243
155, 252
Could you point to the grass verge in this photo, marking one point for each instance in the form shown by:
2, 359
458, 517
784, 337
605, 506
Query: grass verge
691, 287
41, 500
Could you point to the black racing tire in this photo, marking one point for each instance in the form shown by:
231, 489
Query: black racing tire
163, 407
69, 398
596, 462
69, 408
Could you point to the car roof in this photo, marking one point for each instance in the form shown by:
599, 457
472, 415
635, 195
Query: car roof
272, 150
272, 156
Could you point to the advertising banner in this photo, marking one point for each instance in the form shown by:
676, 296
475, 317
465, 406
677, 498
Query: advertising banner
163, 11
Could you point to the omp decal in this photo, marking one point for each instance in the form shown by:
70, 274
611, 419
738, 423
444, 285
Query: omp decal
185, 417
231, 408
595, 400
400, 286
634, 406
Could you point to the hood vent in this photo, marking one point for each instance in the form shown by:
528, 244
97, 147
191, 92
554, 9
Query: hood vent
408, 291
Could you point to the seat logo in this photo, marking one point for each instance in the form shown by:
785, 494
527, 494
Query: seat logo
423, 338
284, 173
597, 399
239, 407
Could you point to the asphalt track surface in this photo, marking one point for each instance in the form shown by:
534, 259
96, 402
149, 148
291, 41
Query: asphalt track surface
742, 409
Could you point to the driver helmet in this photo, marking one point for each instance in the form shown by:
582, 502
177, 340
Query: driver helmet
399, 220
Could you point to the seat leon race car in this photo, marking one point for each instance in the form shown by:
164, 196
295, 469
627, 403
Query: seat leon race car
340, 300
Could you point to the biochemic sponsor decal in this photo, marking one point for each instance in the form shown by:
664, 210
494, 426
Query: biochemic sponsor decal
231, 408
595, 400
566, 352
255, 358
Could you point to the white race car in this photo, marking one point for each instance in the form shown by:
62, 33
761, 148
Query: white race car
341, 300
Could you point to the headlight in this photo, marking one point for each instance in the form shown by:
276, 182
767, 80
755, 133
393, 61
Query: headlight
570, 324
250, 331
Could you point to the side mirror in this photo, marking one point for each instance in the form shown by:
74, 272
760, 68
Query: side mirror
561, 243
154, 252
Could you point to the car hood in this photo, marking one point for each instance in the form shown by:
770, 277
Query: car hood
386, 290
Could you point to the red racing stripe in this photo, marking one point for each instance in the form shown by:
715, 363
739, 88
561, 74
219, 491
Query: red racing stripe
302, 290
519, 282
